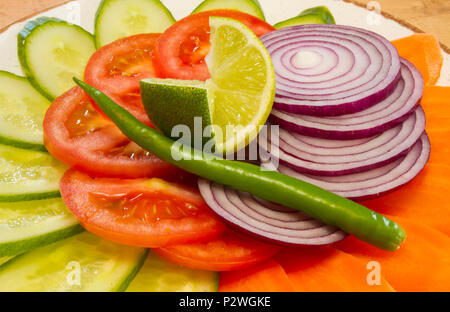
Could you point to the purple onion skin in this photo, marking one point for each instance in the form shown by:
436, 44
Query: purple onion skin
340, 135
344, 172
345, 107
371, 196
341, 109
268, 239
279, 242
357, 134
362, 198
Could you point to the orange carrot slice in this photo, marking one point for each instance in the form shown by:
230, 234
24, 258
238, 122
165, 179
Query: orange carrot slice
424, 52
421, 264
436, 101
325, 269
436, 104
268, 276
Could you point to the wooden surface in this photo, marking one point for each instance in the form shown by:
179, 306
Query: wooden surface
432, 16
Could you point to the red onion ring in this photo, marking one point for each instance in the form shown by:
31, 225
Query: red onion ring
267, 220
373, 182
378, 118
365, 71
321, 159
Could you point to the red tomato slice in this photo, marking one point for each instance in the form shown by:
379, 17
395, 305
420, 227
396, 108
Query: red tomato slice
230, 251
76, 134
141, 212
117, 68
181, 50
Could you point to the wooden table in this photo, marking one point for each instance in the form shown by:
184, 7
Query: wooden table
431, 16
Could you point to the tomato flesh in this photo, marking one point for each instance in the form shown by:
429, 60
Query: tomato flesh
196, 47
230, 251
78, 135
117, 68
180, 52
141, 212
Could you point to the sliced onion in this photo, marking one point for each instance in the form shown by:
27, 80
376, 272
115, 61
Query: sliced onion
378, 118
270, 221
373, 182
319, 158
331, 70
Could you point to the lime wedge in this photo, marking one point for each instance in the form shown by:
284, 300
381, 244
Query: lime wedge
235, 102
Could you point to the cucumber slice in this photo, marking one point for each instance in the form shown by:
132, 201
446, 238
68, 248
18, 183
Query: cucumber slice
52, 52
22, 111
4, 260
157, 275
25, 226
28, 175
252, 7
84, 262
315, 15
117, 19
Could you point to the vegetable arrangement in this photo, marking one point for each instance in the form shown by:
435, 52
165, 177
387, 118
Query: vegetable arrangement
343, 78
351, 128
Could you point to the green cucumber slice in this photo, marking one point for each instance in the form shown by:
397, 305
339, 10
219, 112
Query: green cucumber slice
252, 7
315, 15
52, 52
4, 260
22, 111
25, 226
159, 275
117, 19
28, 175
84, 262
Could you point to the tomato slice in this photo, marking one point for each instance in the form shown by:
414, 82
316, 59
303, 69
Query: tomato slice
230, 251
117, 68
181, 50
140, 212
76, 134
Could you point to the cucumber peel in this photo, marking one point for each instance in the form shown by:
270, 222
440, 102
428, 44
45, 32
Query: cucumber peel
52, 51
159, 275
28, 175
117, 19
32, 224
84, 262
22, 110
252, 7
315, 15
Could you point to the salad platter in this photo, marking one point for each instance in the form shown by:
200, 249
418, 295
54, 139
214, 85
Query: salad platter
346, 192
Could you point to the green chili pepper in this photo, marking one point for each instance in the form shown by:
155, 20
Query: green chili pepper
325, 206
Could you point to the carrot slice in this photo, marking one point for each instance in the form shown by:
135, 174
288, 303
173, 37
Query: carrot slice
268, 276
436, 101
325, 269
424, 52
436, 104
421, 264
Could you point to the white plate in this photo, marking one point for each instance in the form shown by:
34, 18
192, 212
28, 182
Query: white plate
82, 12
